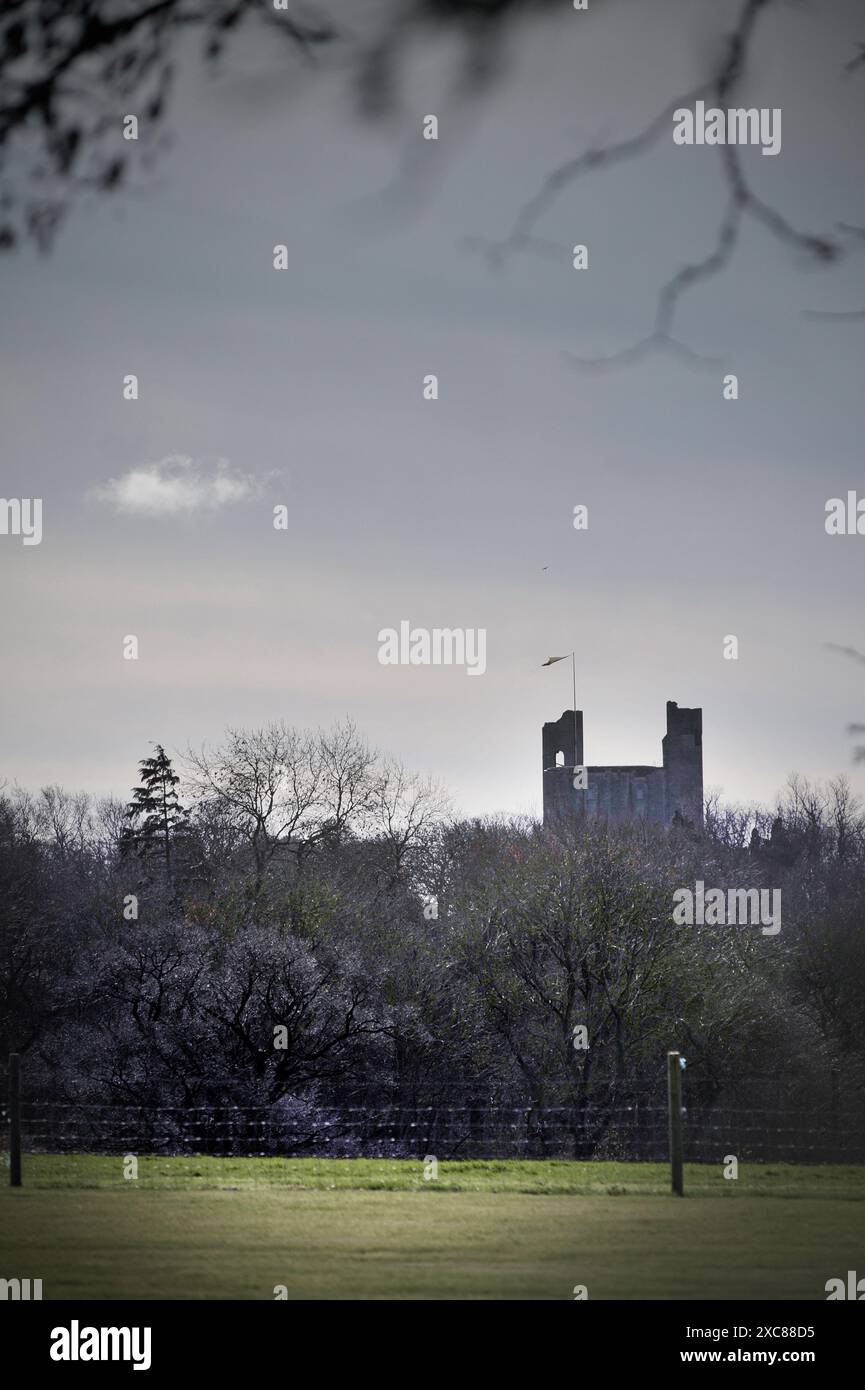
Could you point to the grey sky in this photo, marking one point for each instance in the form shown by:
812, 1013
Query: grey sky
706, 517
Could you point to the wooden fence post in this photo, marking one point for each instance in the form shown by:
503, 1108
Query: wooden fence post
14, 1119
674, 1096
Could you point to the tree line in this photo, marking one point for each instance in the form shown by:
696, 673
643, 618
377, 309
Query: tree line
289, 916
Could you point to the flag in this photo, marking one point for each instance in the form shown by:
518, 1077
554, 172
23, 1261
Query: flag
552, 659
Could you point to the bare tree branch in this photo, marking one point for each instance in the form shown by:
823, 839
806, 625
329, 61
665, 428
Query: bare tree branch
70, 72
743, 201
846, 651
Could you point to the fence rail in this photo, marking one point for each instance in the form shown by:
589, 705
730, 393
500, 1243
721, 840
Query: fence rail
635, 1131
757, 1119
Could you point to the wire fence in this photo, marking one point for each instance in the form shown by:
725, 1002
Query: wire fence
756, 1125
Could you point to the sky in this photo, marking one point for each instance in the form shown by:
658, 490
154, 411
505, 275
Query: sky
304, 388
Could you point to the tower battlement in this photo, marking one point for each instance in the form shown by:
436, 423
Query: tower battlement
670, 793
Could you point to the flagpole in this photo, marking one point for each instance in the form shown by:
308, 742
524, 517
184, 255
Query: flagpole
574, 674
550, 661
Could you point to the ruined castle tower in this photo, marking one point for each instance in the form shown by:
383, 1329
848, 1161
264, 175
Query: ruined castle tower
672, 792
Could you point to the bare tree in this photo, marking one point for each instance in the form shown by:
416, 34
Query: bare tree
268, 783
409, 809
348, 778
847, 819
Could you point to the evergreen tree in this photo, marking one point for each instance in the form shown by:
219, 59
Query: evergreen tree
156, 818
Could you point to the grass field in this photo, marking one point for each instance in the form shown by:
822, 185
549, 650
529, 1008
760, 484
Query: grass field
366, 1228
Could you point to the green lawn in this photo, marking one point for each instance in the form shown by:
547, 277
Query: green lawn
235, 1228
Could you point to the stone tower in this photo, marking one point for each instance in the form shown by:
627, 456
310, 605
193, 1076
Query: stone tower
672, 792
683, 764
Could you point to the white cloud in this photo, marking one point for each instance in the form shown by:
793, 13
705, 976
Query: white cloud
177, 486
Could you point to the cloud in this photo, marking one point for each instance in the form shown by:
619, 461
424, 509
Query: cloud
177, 486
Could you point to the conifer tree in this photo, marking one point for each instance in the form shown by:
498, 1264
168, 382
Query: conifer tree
156, 818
